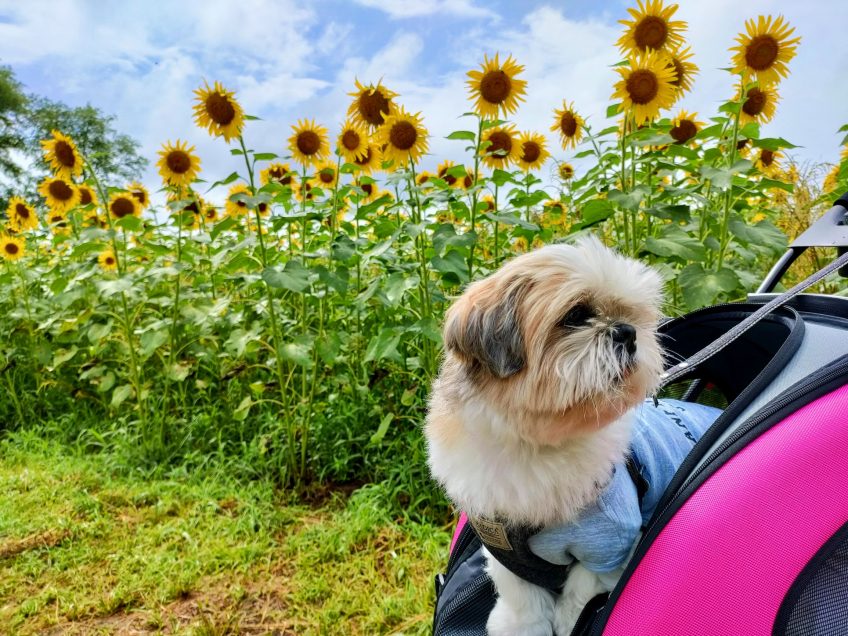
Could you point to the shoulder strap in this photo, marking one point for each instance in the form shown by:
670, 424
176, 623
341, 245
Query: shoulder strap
682, 368
640, 482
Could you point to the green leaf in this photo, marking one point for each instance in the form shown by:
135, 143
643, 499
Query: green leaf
120, 395
152, 340
227, 224
773, 143
383, 345
61, 356
130, 223
293, 277
500, 177
329, 347
97, 331
298, 352
462, 134
378, 436
397, 285
763, 233
265, 156
240, 414
613, 110
674, 242
700, 287
343, 248
451, 265
233, 176
674, 213
595, 211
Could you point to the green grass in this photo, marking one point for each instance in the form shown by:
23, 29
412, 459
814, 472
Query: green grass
87, 550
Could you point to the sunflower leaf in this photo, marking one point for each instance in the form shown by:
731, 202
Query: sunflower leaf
233, 176
378, 436
462, 134
774, 144
265, 156
120, 395
612, 110
701, 287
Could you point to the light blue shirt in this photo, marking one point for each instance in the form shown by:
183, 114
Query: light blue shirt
604, 534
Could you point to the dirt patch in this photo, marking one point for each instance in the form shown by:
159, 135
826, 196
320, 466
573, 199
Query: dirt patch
234, 605
46, 539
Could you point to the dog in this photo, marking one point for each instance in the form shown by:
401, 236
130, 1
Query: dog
531, 412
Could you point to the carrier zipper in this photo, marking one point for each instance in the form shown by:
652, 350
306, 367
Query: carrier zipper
466, 536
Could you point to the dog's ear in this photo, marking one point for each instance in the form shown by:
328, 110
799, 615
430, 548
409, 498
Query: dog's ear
482, 328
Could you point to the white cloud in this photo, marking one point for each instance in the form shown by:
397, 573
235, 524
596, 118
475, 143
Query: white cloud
415, 8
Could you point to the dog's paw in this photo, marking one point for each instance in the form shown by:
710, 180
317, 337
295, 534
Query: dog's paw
505, 621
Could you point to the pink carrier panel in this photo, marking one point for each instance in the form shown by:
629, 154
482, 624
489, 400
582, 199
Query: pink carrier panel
724, 563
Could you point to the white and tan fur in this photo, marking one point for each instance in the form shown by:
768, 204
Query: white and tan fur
529, 414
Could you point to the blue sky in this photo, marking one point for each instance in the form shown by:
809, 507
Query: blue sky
287, 59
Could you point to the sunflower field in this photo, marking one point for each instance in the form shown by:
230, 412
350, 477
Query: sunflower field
291, 333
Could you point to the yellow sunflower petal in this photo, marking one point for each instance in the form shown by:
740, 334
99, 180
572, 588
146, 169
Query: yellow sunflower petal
371, 104
765, 49
645, 86
60, 193
534, 151
177, 164
12, 248
218, 111
503, 148
21, 215
651, 28
308, 144
402, 137
496, 88
62, 155
569, 125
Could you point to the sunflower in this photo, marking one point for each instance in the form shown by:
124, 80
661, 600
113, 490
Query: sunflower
488, 202
831, 180
61, 153
372, 160
565, 171
503, 148
21, 215
569, 124
192, 203
218, 111
61, 194
58, 222
210, 214
403, 138
107, 260
140, 193
651, 29
442, 173
371, 104
87, 195
93, 219
684, 70
768, 162
555, 211
278, 173
423, 178
122, 204
303, 191
11, 247
759, 105
495, 88
325, 176
353, 141
645, 86
369, 188
235, 208
309, 143
534, 151
177, 165
469, 179
764, 50
685, 126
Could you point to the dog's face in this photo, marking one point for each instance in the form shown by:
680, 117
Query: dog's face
560, 340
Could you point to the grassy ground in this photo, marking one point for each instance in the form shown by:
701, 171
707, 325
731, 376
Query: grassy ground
86, 550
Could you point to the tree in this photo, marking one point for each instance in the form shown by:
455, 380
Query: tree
26, 120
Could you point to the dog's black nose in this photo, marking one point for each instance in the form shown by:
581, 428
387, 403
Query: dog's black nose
624, 334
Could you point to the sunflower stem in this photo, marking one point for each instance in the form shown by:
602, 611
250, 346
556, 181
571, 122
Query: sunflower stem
725, 219
474, 196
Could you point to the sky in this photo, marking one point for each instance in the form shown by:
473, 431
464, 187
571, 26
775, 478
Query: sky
291, 59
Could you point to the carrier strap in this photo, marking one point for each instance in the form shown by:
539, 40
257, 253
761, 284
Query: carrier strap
679, 370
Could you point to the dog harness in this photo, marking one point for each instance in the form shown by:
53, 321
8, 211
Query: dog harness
602, 537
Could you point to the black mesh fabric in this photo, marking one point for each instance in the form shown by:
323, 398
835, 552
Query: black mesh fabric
817, 603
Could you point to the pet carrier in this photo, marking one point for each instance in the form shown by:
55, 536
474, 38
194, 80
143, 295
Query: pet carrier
751, 536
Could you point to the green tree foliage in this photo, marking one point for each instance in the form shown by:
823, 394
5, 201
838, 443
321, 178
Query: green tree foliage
12, 104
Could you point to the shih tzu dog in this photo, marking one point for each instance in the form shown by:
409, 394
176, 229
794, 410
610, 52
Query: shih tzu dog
531, 414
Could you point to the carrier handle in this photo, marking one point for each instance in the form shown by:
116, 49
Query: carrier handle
679, 370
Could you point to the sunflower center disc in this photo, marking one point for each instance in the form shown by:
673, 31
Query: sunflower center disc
60, 190
367, 188
650, 33
767, 158
531, 151
138, 195
467, 181
762, 52
755, 103
350, 140
262, 208
684, 131
566, 171
403, 135
178, 161
220, 109
11, 249
501, 141
65, 154
326, 176
568, 124
372, 105
642, 86
122, 207
22, 211
308, 142
495, 86
447, 178
85, 196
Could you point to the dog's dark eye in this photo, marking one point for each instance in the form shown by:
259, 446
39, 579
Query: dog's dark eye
577, 316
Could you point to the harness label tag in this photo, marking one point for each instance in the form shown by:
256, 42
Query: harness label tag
491, 533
